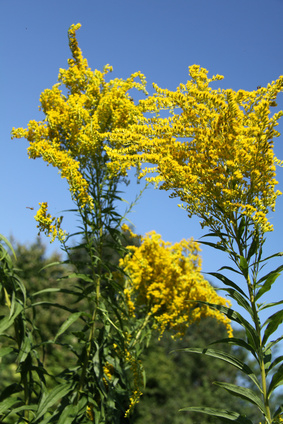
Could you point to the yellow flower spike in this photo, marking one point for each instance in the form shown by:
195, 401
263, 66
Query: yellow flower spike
50, 226
214, 150
166, 280
81, 112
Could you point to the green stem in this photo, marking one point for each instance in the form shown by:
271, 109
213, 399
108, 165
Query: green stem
260, 351
95, 276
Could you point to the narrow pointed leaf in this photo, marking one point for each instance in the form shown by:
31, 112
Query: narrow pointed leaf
230, 359
67, 324
6, 322
227, 282
270, 305
253, 247
54, 290
8, 244
229, 268
235, 316
243, 393
220, 413
238, 342
5, 351
271, 278
272, 256
53, 397
240, 300
277, 380
244, 266
275, 362
278, 412
6, 404
273, 323
265, 277
274, 342
214, 245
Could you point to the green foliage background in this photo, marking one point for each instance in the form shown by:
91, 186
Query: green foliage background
174, 378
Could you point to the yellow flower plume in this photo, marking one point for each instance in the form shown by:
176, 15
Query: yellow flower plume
165, 280
213, 150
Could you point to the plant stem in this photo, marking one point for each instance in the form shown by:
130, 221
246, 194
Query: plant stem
260, 350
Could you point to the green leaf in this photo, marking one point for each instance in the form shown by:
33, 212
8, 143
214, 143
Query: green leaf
6, 404
25, 348
243, 393
67, 324
275, 362
269, 279
230, 269
272, 256
240, 300
270, 305
71, 412
5, 351
230, 359
238, 342
53, 397
274, 342
278, 412
10, 390
6, 322
235, 316
227, 282
273, 322
253, 247
22, 408
241, 227
54, 290
214, 245
276, 381
220, 413
244, 266
8, 244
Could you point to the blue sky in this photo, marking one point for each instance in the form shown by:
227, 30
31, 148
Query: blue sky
241, 40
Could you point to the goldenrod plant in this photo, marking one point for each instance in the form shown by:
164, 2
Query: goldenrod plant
213, 151
84, 116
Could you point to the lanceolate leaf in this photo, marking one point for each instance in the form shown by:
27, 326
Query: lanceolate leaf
220, 413
277, 380
275, 362
253, 247
6, 322
6, 404
269, 280
244, 266
244, 393
240, 300
270, 305
214, 245
273, 342
273, 322
229, 268
54, 290
238, 342
67, 324
227, 282
235, 316
5, 351
230, 359
53, 397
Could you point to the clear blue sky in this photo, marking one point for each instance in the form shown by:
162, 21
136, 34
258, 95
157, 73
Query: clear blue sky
241, 40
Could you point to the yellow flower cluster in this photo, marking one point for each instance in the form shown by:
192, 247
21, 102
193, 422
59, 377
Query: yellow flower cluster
108, 371
80, 112
49, 225
213, 150
166, 281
